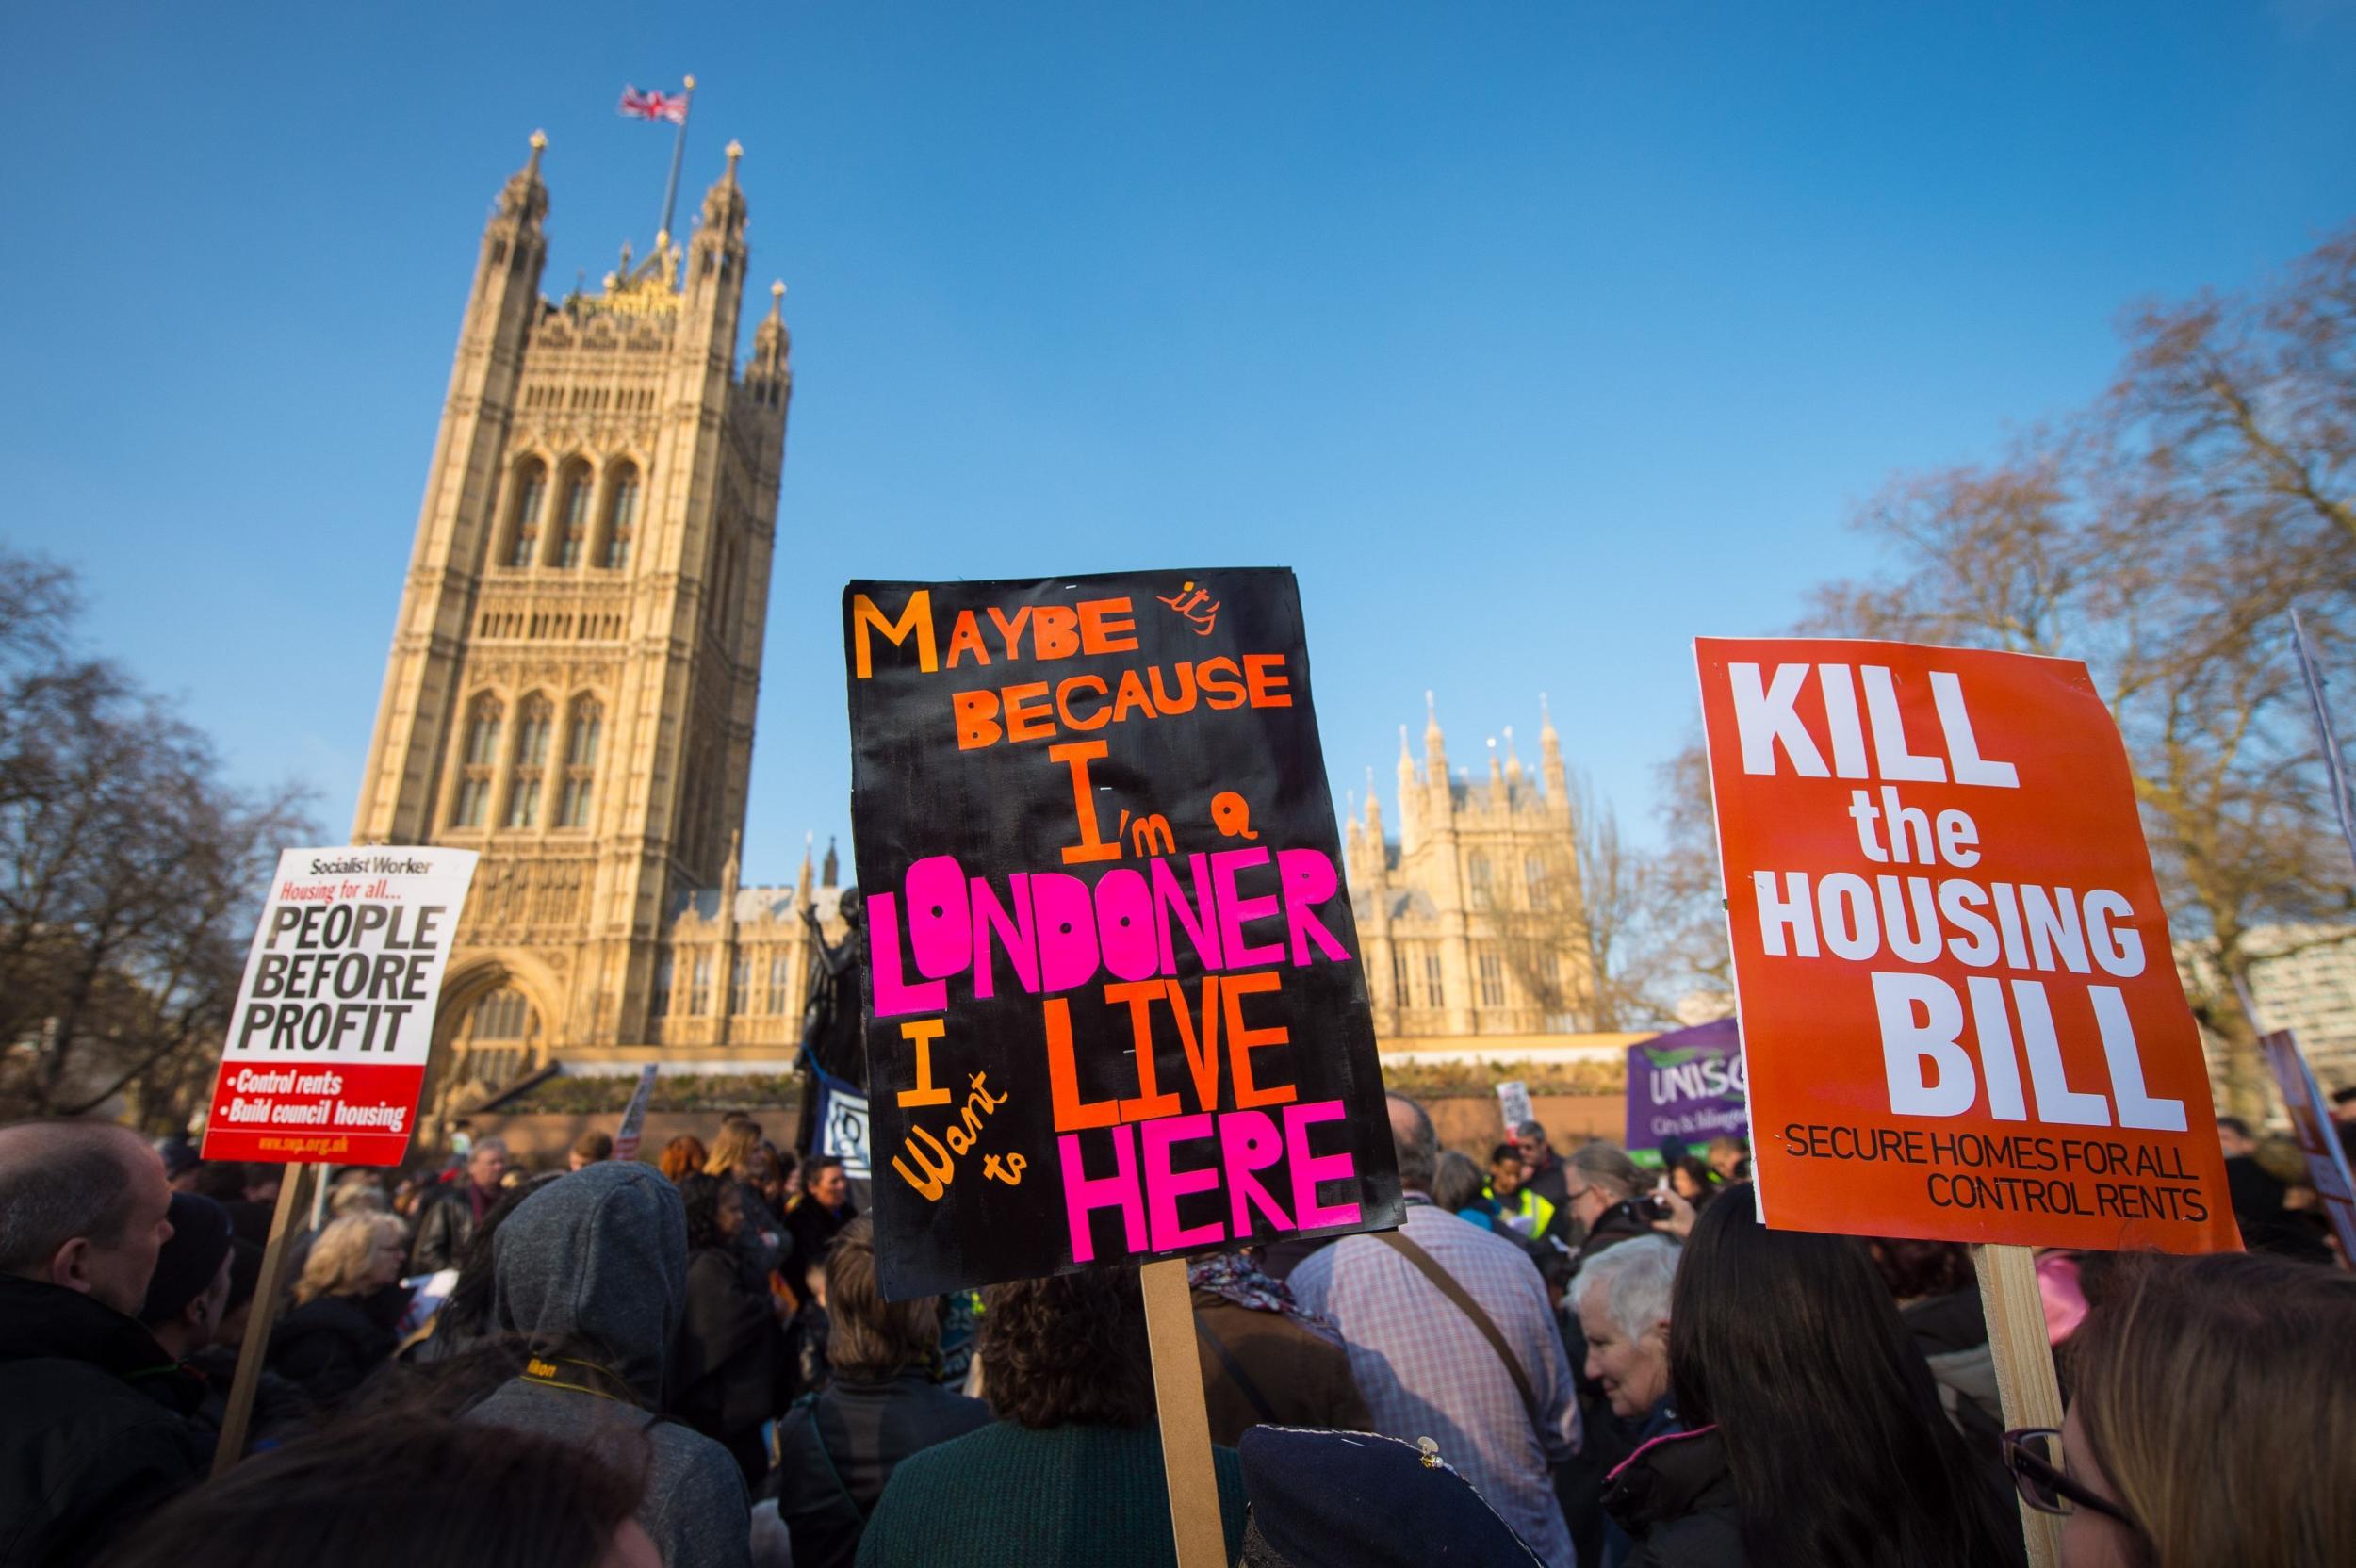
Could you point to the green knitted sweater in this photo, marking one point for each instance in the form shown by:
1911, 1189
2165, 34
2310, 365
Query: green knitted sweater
1009, 1497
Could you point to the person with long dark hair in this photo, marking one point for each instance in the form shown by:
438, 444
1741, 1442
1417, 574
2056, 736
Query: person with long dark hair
1813, 1432
729, 1348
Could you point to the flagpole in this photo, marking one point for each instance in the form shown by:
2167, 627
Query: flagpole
678, 150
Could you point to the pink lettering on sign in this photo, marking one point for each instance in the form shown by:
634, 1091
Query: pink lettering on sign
1065, 922
940, 925
894, 995
1124, 925
1060, 932
1308, 879
1146, 1192
1083, 1194
1234, 910
1309, 1170
1163, 1187
1250, 1142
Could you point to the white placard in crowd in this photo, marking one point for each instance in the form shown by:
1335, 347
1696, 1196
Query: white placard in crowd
1514, 1103
326, 1052
634, 1116
2318, 1138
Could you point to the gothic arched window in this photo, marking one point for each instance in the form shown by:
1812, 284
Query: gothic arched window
1476, 879
580, 762
572, 532
1534, 879
497, 1034
532, 499
480, 756
621, 518
781, 977
534, 718
1491, 980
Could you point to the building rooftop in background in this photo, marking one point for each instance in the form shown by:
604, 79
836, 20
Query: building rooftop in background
2304, 980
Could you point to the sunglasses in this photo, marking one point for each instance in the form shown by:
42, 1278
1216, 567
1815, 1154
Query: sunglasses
2033, 1454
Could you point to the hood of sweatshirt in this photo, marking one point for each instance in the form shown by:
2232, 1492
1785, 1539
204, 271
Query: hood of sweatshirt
596, 1260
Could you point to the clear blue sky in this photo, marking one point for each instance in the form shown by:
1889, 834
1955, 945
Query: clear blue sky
1538, 338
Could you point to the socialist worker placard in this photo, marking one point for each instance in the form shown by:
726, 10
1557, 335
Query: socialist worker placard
1116, 1003
327, 1049
1960, 1016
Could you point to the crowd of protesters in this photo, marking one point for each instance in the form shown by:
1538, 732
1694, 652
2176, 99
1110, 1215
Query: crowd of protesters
1560, 1358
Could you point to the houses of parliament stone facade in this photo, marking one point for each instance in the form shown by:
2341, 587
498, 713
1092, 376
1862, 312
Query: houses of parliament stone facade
573, 675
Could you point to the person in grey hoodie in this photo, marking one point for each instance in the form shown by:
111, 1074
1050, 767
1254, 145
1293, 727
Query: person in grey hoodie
591, 1273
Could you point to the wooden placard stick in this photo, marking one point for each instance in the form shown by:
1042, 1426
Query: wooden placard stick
239, 1414
1194, 1517
2024, 1368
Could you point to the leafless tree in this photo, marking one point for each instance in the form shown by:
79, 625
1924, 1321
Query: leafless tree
1588, 946
1688, 897
2163, 536
129, 873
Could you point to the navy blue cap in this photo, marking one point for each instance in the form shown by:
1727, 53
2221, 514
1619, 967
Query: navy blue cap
1321, 1498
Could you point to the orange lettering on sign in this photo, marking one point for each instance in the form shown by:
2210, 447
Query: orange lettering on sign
966, 637
915, 619
1104, 628
1242, 1040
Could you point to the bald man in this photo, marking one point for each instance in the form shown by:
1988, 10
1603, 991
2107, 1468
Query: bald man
93, 1427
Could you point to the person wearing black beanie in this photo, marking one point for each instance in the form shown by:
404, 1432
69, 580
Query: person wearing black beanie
195, 1309
190, 1286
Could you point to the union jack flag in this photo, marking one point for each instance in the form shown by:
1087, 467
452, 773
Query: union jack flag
655, 105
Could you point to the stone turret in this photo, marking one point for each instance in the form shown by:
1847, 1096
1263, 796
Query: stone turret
1550, 762
1472, 930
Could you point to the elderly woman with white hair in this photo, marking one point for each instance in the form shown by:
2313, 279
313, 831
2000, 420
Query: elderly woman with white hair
1622, 1300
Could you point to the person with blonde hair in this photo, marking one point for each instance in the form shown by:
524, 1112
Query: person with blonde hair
346, 1306
761, 1239
731, 1151
2210, 1421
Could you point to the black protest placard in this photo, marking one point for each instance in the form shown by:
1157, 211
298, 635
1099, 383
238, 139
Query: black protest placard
1116, 1003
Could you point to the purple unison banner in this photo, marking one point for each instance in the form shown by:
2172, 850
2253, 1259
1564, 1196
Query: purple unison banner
1687, 1087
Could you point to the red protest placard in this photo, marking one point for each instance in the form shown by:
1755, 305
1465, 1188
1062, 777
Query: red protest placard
327, 1049
1959, 1013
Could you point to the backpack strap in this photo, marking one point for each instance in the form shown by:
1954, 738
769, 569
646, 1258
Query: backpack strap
1397, 1241
809, 1402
